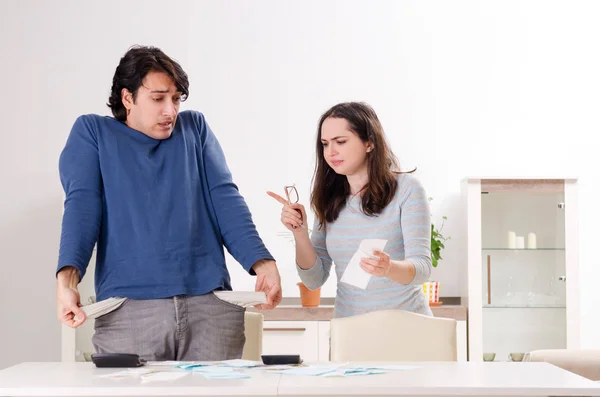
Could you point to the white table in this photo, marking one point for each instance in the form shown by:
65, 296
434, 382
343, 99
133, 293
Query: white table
431, 379
81, 379
451, 379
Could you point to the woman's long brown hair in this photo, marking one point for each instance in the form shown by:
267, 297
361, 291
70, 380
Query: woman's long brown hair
330, 190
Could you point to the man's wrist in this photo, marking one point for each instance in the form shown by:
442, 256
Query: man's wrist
68, 277
264, 265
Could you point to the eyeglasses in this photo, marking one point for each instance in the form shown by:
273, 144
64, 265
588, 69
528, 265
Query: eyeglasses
291, 194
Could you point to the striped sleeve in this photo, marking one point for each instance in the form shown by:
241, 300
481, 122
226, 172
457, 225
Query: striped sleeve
316, 276
415, 220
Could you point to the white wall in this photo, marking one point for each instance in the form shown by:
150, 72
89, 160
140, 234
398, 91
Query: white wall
462, 88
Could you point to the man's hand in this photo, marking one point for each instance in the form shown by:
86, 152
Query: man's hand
68, 301
269, 282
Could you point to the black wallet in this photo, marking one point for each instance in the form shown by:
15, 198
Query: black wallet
117, 360
281, 359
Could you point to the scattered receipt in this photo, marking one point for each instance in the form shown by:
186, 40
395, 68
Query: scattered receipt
354, 274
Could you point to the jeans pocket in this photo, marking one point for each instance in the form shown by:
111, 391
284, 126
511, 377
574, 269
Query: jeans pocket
229, 304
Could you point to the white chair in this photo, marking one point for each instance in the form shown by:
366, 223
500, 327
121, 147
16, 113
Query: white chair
253, 323
583, 362
393, 335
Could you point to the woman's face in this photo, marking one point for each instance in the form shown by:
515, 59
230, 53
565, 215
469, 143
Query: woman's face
343, 150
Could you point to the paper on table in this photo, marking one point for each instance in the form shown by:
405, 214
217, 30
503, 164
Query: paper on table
239, 363
308, 371
349, 372
162, 376
219, 372
167, 363
211, 369
129, 373
311, 370
354, 274
194, 365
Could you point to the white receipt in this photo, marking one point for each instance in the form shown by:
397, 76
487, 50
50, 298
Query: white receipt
354, 274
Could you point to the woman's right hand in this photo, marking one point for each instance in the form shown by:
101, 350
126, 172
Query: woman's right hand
293, 216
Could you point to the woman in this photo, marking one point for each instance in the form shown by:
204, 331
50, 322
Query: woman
359, 193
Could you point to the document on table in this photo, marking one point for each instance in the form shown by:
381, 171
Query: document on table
336, 370
354, 274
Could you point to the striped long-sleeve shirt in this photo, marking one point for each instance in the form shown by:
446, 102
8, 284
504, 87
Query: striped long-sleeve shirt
405, 223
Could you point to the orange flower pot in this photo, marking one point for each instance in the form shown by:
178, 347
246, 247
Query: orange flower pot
309, 298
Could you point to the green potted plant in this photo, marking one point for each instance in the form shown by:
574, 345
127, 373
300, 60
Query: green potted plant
437, 242
431, 288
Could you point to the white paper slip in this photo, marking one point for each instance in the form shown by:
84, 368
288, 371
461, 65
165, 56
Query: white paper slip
129, 373
242, 298
166, 363
239, 363
162, 376
311, 370
103, 307
354, 274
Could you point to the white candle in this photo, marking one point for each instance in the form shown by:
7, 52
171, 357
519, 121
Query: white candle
520, 242
511, 239
531, 241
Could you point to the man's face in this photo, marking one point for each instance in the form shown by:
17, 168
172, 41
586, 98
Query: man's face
156, 105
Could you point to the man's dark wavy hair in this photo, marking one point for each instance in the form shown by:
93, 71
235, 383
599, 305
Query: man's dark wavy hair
133, 68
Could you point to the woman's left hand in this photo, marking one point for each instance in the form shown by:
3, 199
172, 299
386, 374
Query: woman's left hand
379, 266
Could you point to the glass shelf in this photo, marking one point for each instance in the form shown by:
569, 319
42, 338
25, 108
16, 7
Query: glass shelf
522, 249
516, 306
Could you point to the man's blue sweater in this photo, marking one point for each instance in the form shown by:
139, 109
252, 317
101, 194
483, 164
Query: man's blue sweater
160, 210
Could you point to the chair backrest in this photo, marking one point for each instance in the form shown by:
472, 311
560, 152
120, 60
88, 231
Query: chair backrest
253, 323
393, 335
583, 362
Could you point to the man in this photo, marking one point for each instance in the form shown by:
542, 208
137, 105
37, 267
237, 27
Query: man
152, 188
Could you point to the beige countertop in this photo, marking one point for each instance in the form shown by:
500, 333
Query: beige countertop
287, 312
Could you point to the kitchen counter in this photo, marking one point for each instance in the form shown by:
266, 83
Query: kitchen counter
291, 312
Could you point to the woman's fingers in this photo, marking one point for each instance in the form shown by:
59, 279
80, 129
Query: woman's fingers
291, 220
299, 208
293, 213
369, 268
371, 262
382, 255
278, 198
